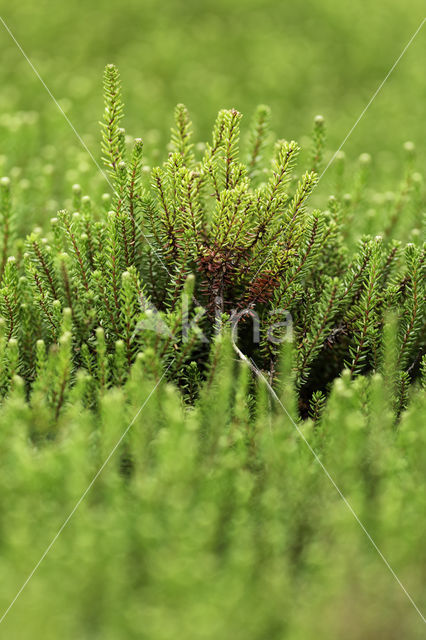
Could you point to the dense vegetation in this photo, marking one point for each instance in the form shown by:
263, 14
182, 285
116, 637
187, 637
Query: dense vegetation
219, 484
201, 245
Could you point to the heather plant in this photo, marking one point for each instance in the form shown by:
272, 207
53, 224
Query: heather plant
228, 236
131, 375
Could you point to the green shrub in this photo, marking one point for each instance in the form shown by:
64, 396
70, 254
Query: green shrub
198, 510
228, 235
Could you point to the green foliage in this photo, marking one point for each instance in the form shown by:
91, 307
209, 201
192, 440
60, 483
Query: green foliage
210, 522
212, 517
253, 243
318, 143
112, 133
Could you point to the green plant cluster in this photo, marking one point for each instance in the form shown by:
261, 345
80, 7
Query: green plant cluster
199, 242
206, 508
208, 523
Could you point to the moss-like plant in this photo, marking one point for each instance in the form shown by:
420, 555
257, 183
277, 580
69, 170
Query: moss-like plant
225, 232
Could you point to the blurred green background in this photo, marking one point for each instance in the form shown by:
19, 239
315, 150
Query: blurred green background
301, 58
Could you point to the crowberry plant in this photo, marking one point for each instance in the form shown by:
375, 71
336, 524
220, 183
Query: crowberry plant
225, 233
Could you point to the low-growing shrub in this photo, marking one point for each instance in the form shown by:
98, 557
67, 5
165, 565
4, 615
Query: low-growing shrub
228, 237
153, 487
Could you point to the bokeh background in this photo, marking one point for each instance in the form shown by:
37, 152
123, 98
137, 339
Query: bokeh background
301, 58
